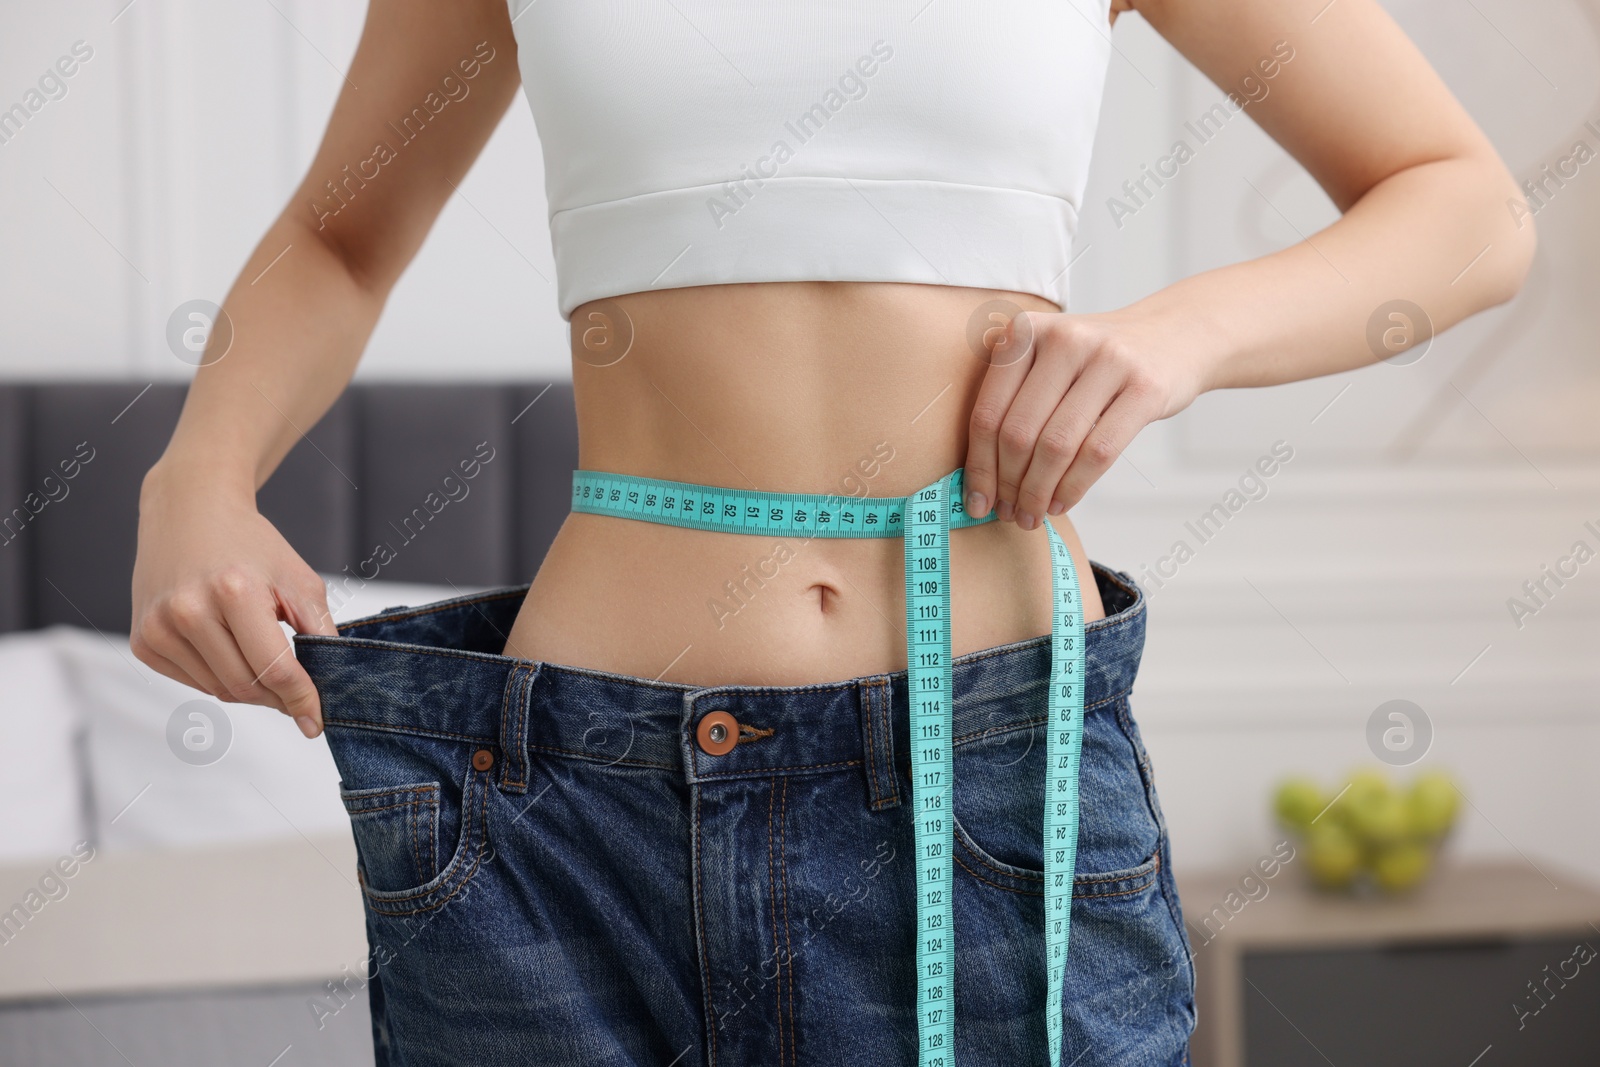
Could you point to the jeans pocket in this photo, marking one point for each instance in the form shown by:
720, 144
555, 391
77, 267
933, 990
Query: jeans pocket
1119, 825
418, 812
999, 808
1110, 885
397, 834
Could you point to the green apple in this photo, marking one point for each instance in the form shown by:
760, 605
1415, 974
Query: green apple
1401, 866
1431, 804
1298, 801
1366, 784
1332, 855
1378, 818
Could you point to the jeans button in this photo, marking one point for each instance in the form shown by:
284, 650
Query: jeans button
482, 759
717, 733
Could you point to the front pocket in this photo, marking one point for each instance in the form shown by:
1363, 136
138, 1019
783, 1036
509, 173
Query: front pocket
1108, 885
471, 850
999, 808
417, 807
397, 833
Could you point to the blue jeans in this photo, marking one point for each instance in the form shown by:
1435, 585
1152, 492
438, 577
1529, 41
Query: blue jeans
556, 868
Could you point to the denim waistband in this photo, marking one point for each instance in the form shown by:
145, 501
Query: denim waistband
436, 671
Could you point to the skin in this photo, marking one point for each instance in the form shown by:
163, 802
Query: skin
799, 386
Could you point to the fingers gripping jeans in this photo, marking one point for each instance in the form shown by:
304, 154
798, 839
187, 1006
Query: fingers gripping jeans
555, 871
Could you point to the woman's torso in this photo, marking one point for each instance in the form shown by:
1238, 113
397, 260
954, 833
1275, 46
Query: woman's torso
808, 202
862, 389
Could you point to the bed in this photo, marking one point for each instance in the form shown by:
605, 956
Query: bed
174, 901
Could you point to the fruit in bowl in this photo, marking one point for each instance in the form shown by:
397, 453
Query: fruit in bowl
1333, 855
1370, 831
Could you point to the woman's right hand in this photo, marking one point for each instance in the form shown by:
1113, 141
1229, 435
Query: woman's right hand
211, 581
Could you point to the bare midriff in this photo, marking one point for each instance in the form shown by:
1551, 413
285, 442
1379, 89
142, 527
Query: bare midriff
855, 388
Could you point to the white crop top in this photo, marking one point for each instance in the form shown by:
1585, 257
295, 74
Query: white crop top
701, 142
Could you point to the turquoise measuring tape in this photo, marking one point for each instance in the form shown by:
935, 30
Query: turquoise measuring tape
925, 520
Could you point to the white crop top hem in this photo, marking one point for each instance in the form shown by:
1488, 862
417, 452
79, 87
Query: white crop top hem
854, 229
706, 142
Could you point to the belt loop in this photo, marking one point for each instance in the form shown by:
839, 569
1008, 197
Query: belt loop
514, 728
877, 732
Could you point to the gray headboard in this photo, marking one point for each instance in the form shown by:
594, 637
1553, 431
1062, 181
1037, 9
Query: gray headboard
373, 472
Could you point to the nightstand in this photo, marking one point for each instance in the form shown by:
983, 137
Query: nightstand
1484, 965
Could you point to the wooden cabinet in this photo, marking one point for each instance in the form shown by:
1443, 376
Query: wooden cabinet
1484, 966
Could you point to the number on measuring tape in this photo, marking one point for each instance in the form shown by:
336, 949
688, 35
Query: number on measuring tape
928, 663
1063, 749
924, 520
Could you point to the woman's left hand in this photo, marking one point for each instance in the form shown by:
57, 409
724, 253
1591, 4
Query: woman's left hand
1063, 396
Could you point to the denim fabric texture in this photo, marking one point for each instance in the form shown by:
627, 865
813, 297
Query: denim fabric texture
555, 872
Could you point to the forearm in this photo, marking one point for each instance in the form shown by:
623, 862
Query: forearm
1437, 234
299, 327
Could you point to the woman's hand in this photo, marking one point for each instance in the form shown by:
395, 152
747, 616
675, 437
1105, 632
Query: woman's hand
211, 580
1063, 396
1429, 215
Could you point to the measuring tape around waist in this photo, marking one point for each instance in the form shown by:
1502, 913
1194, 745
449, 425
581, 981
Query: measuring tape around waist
925, 520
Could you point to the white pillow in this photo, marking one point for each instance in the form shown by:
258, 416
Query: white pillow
155, 773
245, 772
41, 779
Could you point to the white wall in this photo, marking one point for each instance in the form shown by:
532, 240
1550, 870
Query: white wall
174, 148
1378, 566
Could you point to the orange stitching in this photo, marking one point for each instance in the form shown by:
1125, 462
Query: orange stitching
1118, 893
416, 848
1106, 622
1005, 728
413, 803
590, 758
719, 775
989, 653
887, 705
488, 660
873, 791
474, 778
459, 884
408, 731
381, 793
997, 885
772, 904
705, 956
433, 838
505, 710
467, 832
524, 698
1040, 892
1021, 873
735, 689
1149, 877
783, 861
1133, 872
1022, 724
387, 807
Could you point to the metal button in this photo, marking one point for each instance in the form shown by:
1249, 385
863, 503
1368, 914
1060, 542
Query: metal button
482, 759
718, 733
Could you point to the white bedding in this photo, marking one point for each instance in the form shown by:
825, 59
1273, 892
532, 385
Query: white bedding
39, 776
85, 750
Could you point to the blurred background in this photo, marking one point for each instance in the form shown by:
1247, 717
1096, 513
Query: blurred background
1427, 536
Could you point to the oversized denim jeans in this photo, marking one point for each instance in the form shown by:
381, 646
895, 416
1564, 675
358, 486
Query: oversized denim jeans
555, 871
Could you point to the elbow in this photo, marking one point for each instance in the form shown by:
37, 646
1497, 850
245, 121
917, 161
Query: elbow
1515, 264
1512, 236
